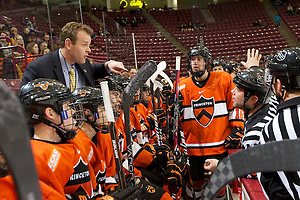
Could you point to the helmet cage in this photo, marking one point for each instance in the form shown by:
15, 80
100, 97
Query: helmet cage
91, 98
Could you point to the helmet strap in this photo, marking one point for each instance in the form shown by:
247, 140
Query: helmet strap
93, 125
62, 133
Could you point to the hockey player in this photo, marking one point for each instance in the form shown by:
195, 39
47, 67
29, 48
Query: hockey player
232, 67
148, 157
62, 165
218, 65
96, 128
284, 71
209, 121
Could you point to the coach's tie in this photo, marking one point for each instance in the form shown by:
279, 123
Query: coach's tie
72, 79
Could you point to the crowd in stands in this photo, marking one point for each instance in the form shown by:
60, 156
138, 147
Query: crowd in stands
192, 26
259, 23
35, 43
293, 10
123, 21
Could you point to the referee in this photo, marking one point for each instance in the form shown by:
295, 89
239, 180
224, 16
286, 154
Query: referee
284, 71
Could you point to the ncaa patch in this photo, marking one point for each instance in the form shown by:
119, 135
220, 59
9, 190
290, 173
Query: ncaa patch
203, 110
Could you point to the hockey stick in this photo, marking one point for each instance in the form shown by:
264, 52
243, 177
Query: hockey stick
178, 135
157, 129
165, 76
176, 107
169, 136
110, 118
270, 157
15, 145
134, 85
160, 68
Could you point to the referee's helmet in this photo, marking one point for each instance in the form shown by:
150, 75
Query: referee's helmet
285, 65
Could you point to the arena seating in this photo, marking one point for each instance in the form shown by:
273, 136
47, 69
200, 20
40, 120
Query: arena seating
231, 34
292, 21
150, 44
229, 37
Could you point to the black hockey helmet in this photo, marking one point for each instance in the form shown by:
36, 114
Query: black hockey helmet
218, 62
122, 81
145, 87
285, 65
202, 51
39, 94
112, 84
89, 97
231, 66
92, 99
252, 81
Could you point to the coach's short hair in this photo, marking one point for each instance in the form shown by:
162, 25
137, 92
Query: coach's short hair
70, 31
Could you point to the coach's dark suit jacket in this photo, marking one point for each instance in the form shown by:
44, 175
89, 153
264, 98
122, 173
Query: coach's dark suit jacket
49, 66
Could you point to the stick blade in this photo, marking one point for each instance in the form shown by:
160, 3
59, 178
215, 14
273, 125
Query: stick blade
270, 157
15, 145
143, 74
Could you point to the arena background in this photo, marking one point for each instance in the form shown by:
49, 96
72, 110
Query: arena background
226, 27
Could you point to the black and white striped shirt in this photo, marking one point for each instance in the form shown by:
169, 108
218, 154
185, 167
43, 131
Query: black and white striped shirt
285, 125
255, 123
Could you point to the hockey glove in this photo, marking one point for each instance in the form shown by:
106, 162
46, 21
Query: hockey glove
181, 159
171, 103
161, 157
151, 120
172, 176
150, 148
166, 90
161, 116
164, 147
233, 141
131, 192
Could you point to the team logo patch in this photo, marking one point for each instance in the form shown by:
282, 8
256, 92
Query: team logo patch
83, 93
44, 86
150, 189
203, 110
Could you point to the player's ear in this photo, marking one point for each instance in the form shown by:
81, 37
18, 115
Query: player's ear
49, 113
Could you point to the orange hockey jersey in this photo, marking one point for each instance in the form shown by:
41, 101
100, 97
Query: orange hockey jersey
96, 163
9, 192
104, 145
62, 166
208, 115
142, 158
